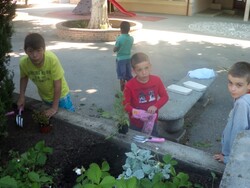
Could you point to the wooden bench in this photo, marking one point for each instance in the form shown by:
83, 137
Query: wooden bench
171, 115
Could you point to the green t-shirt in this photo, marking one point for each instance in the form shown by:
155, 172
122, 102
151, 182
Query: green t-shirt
44, 77
124, 44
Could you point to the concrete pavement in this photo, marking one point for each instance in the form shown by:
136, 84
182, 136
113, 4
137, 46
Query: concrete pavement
175, 45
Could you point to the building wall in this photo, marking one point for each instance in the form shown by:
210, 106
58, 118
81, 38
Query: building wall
196, 6
177, 7
66, 1
227, 4
74, 1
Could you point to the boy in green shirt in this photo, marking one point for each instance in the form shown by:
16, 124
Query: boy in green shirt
123, 48
45, 70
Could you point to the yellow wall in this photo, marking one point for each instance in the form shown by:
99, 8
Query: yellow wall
178, 7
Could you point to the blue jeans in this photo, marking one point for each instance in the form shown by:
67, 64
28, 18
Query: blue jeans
123, 69
154, 131
65, 103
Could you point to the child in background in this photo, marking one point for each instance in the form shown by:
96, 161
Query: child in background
239, 117
144, 95
123, 47
45, 70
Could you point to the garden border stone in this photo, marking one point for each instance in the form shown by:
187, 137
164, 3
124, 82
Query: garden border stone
185, 155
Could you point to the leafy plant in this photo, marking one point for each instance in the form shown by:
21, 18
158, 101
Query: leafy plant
214, 178
95, 176
140, 171
140, 163
7, 13
120, 116
127, 183
26, 170
40, 118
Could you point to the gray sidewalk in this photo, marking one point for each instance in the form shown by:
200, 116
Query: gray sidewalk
175, 45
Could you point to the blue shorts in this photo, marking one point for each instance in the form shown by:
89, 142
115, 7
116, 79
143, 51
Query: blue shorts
123, 69
154, 131
65, 103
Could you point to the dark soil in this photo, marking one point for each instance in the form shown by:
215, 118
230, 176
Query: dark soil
75, 147
72, 147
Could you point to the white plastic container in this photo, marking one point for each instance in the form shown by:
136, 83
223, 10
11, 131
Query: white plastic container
195, 86
179, 89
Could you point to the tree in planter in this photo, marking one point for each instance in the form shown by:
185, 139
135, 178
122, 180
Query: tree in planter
99, 15
7, 13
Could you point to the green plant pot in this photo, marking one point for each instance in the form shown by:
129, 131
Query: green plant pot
123, 129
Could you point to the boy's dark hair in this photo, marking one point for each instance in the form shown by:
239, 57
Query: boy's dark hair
138, 58
240, 70
34, 41
125, 27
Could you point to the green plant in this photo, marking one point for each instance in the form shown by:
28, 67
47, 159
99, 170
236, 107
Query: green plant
120, 116
40, 118
26, 170
95, 177
140, 171
214, 178
127, 183
140, 163
7, 13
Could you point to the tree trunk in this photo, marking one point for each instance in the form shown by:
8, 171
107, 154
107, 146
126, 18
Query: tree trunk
99, 15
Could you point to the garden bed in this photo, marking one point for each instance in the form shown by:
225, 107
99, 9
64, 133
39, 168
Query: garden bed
72, 147
75, 147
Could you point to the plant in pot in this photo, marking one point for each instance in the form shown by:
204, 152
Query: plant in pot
120, 116
42, 120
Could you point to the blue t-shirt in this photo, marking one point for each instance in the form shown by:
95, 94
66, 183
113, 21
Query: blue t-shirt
238, 120
124, 44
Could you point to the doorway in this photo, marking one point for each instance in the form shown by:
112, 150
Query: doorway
239, 4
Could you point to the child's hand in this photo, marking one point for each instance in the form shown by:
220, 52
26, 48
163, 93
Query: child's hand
219, 157
115, 49
50, 112
152, 109
140, 114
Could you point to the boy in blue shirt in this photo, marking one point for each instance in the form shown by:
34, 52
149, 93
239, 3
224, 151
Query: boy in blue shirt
123, 46
239, 117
